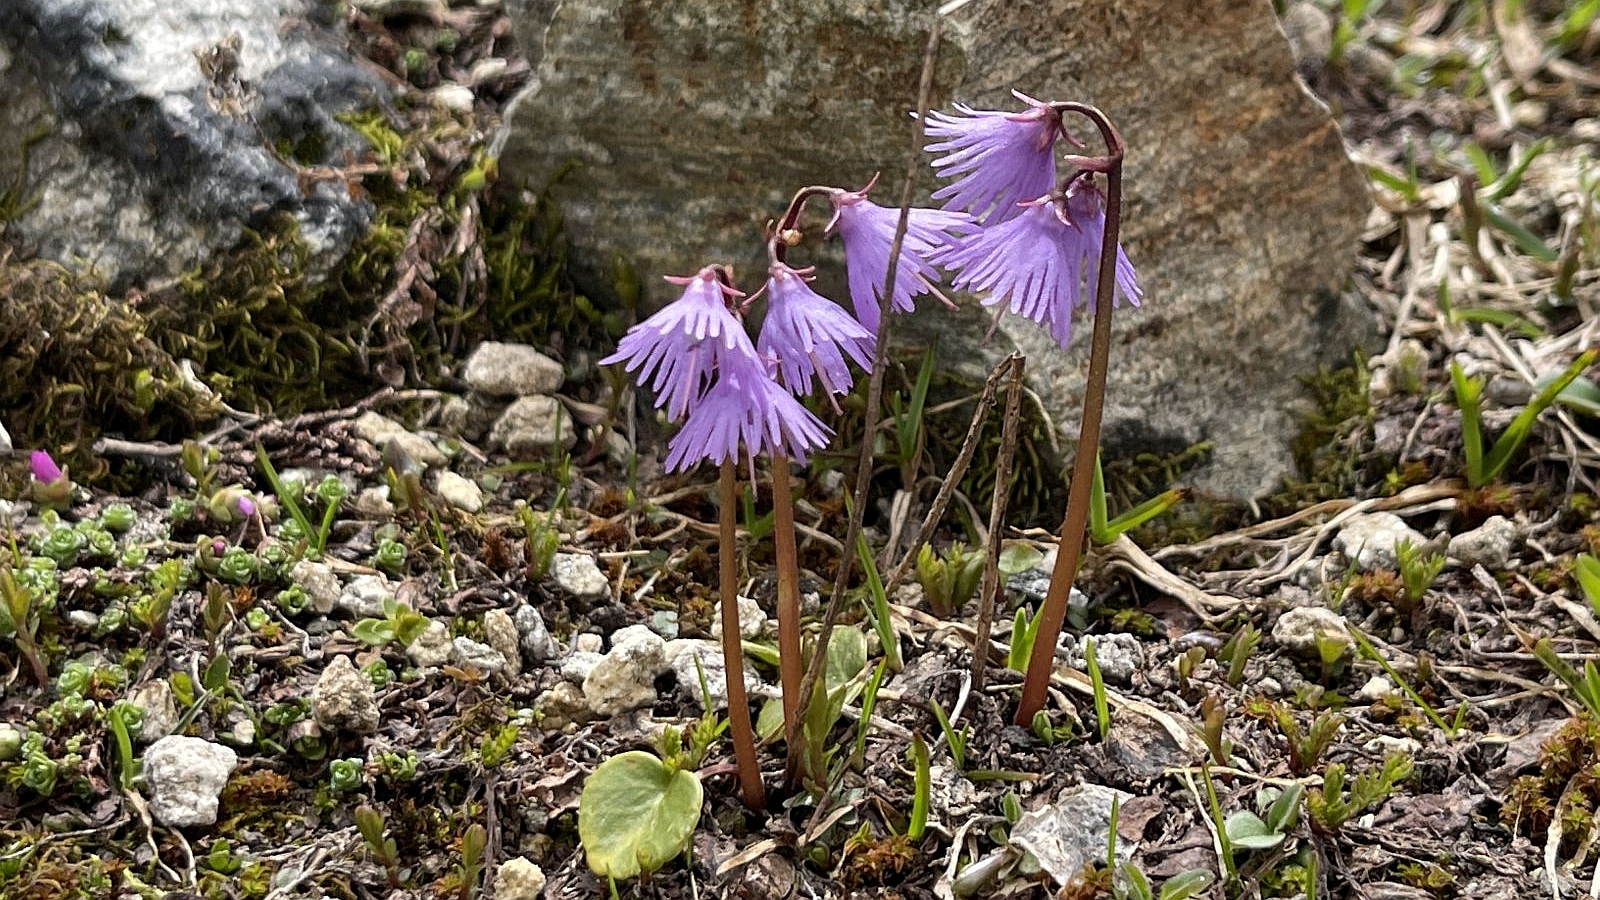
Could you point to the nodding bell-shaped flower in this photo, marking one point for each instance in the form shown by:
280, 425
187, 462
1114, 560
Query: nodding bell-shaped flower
999, 159
686, 341
1043, 263
808, 334
745, 405
867, 231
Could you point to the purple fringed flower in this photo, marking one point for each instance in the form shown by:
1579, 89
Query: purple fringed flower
808, 334
45, 470
1001, 158
867, 231
1042, 264
684, 342
745, 405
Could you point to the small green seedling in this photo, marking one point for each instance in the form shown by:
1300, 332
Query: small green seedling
1482, 467
369, 822
955, 740
20, 614
922, 787
1331, 805
948, 581
1236, 652
1418, 569
1306, 747
1213, 715
1024, 629
399, 624
1281, 807
473, 842
636, 814
1587, 571
1585, 687
1104, 530
1102, 710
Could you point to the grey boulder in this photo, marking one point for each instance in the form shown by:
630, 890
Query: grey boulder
186, 776
148, 132
691, 123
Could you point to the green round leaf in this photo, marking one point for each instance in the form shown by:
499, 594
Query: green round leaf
635, 814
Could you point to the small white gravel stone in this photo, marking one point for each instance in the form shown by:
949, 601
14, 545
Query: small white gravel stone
588, 642
1117, 655
518, 879
537, 644
579, 575
416, 448
373, 502
681, 655
1376, 688
344, 699
10, 741
1370, 539
562, 706
484, 658
431, 648
374, 428
460, 492
531, 426
469, 417
1073, 830
625, 679
511, 370
632, 634
1301, 629
364, 596
319, 583
500, 632
578, 664
160, 709
1489, 545
455, 97
185, 776
752, 620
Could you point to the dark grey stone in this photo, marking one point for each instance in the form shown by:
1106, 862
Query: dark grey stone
150, 129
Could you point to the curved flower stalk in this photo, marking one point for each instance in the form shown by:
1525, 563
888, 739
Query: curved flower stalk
867, 231
999, 159
1041, 264
807, 334
682, 345
1034, 253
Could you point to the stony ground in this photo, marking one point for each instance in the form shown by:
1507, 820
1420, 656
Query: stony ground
361, 654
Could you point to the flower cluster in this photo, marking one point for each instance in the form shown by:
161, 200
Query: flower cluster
1008, 230
1037, 252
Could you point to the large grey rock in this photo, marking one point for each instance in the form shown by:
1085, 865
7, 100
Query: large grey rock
146, 162
186, 776
693, 121
1071, 831
532, 426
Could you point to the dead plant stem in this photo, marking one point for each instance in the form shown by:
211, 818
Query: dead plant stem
989, 590
870, 415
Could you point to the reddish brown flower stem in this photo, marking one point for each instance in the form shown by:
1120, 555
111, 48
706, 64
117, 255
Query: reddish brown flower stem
790, 666
1069, 550
744, 738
